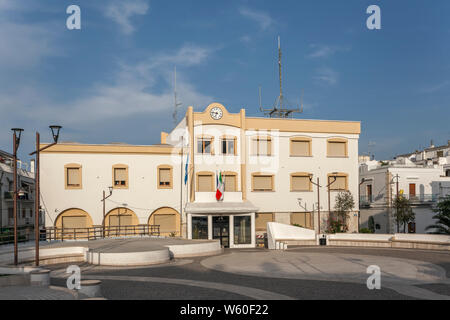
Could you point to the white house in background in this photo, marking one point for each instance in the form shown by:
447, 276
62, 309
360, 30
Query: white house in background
266, 163
431, 156
422, 184
25, 182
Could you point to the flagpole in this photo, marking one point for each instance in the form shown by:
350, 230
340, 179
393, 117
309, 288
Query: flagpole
181, 186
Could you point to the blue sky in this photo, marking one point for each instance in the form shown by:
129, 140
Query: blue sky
111, 81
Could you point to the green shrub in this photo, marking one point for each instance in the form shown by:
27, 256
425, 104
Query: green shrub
365, 230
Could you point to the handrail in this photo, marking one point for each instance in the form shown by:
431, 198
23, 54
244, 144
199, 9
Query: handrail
94, 233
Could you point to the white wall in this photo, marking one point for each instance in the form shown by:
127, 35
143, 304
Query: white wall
142, 196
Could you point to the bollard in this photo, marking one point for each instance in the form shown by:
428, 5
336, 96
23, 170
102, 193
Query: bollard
40, 277
91, 288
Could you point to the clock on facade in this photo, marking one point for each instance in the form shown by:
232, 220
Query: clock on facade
216, 113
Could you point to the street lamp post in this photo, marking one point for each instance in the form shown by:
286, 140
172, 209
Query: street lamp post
16, 141
318, 200
55, 134
359, 201
104, 209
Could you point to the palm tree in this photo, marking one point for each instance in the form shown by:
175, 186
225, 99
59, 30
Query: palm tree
442, 225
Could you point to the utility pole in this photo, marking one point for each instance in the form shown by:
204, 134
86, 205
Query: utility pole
181, 185
55, 133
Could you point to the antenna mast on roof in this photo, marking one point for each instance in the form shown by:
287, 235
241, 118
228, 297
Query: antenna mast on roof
176, 103
280, 109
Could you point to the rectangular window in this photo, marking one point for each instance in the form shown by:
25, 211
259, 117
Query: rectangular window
230, 182
262, 146
300, 148
261, 221
337, 149
200, 228
166, 223
302, 219
73, 177
339, 184
262, 183
165, 177
204, 183
242, 230
74, 222
300, 183
228, 146
204, 145
120, 177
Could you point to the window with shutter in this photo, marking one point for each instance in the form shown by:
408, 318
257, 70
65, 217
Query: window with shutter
300, 183
165, 177
337, 148
230, 182
300, 148
262, 146
204, 183
339, 184
262, 183
261, 221
72, 176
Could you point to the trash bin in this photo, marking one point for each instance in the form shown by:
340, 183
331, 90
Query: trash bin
323, 241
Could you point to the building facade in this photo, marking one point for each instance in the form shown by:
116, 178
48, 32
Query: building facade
422, 184
25, 183
266, 164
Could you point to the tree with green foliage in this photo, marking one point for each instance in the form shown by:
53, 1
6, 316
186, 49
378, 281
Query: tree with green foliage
442, 226
403, 213
344, 204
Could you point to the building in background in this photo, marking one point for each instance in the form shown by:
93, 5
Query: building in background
419, 176
25, 183
265, 164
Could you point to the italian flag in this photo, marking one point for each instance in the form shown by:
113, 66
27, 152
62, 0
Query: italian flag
220, 187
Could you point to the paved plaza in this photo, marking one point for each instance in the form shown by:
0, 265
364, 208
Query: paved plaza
301, 273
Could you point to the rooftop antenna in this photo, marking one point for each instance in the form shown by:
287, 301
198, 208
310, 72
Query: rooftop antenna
176, 103
281, 108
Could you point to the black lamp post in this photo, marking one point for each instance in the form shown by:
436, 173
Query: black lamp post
104, 208
55, 134
318, 199
16, 142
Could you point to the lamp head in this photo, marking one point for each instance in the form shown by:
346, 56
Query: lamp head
55, 132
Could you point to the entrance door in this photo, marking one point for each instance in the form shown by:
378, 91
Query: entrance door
221, 230
412, 190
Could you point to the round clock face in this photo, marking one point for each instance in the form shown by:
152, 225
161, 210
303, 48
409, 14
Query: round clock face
216, 113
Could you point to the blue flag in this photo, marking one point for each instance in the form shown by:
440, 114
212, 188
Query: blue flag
186, 170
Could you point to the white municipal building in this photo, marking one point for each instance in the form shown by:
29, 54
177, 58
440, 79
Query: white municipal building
266, 163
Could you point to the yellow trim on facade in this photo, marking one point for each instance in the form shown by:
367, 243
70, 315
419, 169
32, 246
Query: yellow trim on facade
110, 148
302, 125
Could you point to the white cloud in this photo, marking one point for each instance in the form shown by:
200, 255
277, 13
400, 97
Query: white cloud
326, 76
123, 11
437, 87
23, 45
263, 19
133, 93
323, 51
